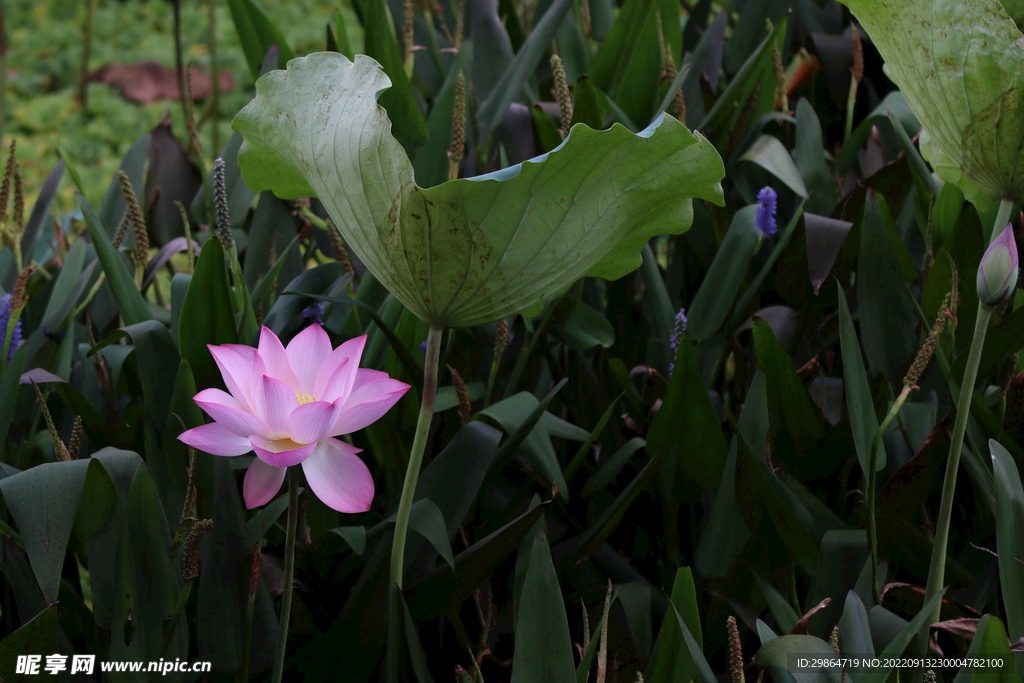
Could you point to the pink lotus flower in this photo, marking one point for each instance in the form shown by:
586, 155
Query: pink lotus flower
287, 404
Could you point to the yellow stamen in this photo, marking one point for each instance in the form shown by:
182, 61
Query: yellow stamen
303, 399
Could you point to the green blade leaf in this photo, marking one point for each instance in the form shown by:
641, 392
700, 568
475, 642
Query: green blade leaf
130, 304
206, 315
809, 156
793, 414
453, 478
467, 251
507, 89
671, 660
628, 64
990, 642
543, 647
410, 128
693, 648
863, 420
436, 594
257, 34
718, 291
1009, 513
520, 417
855, 630
37, 636
885, 307
699, 458
899, 643
431, 162
768, 153
355, 536
426, 519
777, 652
43, 501
613, 466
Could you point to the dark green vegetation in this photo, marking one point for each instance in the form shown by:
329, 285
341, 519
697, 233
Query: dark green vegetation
564, 456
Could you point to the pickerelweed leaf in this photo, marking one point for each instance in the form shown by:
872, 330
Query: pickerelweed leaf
777, 652
1009, 513
37, 636
863, 420
474, 250
990, 641
43, 501
770, 154
855, 630
958, 65
543, 647
671, 660
825, 238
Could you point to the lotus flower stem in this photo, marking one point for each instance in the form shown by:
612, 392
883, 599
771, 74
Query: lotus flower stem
1002, 218
412, 476
937, 567
289, 572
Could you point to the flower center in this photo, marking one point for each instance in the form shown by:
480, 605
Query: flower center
303, 399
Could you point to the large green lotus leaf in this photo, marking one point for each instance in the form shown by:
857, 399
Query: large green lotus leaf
469, 251
959, 66
949, 172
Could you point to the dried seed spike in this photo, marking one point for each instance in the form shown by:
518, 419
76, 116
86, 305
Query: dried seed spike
858, 56
303, 525
18, 298
501, 336
458, 146
188, 236
407, 29
59, 449
190, 564
780, 72
220, 203
255, 563
924, 355
5, 186
133, 215
602, 649
340, 252
195, 147
954, 290
669, 72
929, 676
122, 231
585, 21
19, 199
735, 650
665, 54
834, 639
586, 627
465, 405
460, 22
562, 95
77, 433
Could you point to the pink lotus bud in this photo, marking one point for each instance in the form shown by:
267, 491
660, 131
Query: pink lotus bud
997, 272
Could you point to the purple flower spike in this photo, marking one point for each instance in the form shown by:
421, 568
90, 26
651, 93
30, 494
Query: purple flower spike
314, 313
677, 336
766, 207
5, 317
